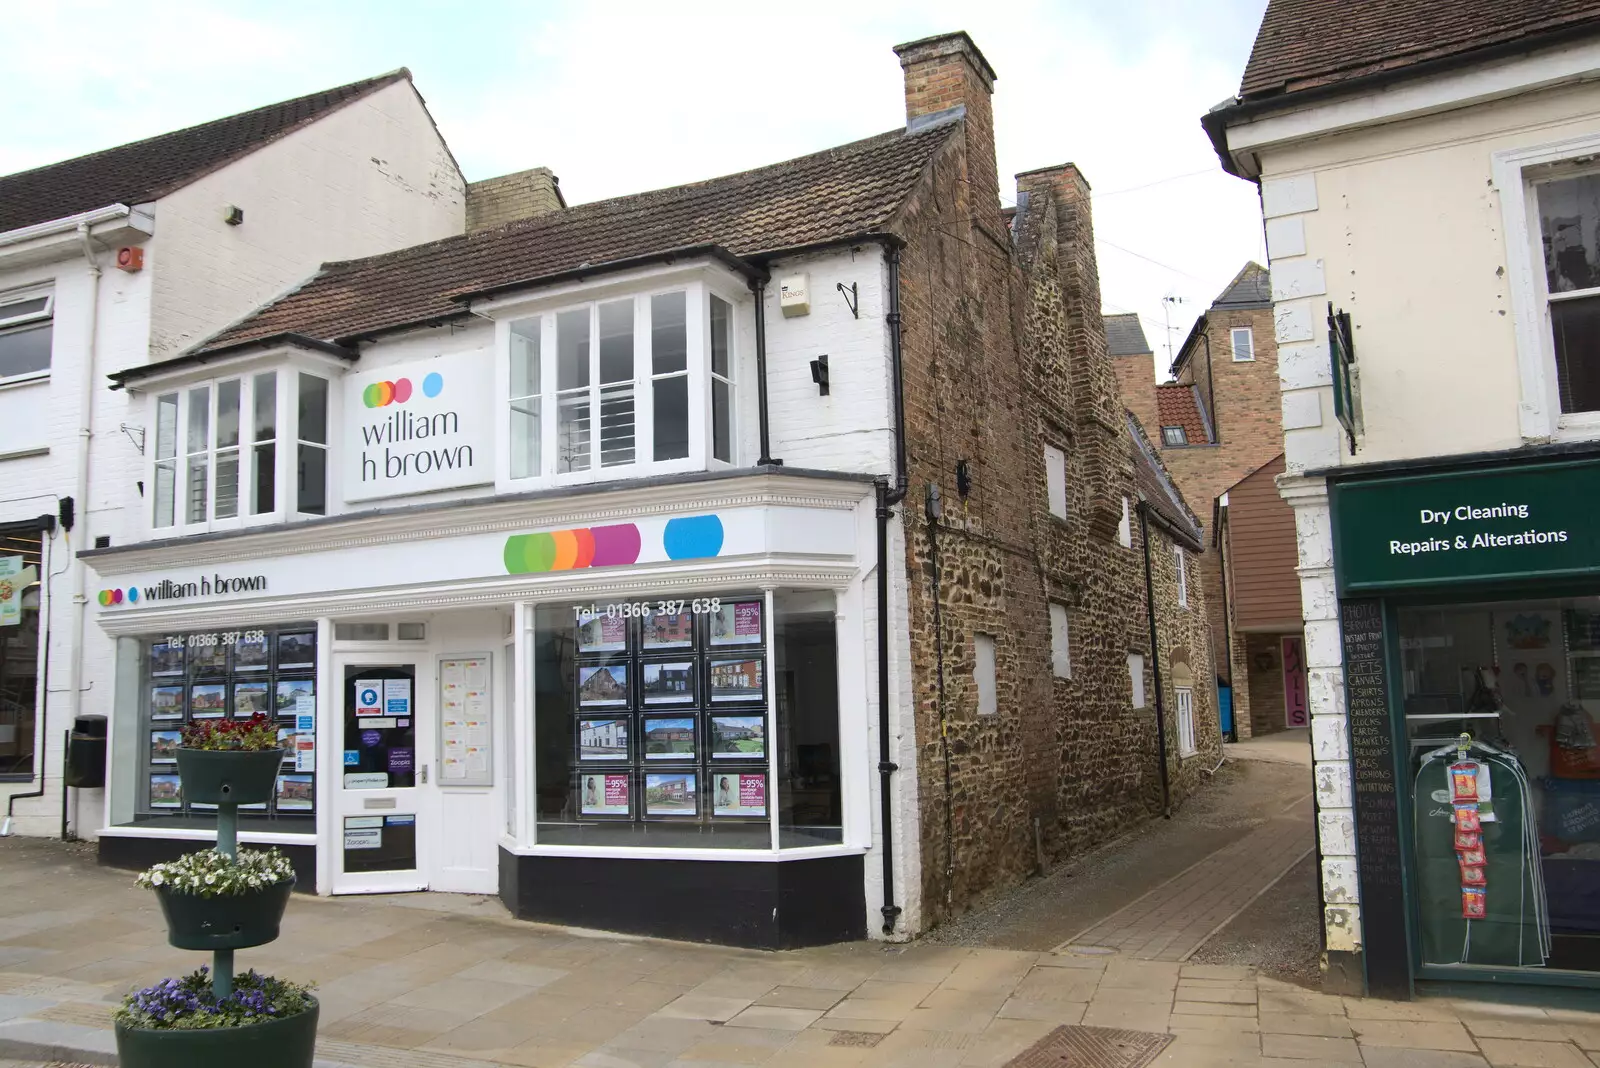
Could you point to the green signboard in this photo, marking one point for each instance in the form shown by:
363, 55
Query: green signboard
1527, 521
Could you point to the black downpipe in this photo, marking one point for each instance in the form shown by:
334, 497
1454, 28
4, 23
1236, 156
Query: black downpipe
1211, 388
888, 497
760, 289
1227, 629
1155, 663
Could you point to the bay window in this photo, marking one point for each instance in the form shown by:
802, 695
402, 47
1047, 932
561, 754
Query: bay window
617, 387
216, 454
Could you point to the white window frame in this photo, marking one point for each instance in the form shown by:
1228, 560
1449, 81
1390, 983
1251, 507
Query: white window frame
697, 294
286, 442
29, 320
1249, 350
1182, 433
1055, 481
1539, 412
985, 673
1136, 679
1181, 566
1184, 702
1060, 640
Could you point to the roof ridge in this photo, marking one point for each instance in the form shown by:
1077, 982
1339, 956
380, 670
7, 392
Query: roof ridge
360, 83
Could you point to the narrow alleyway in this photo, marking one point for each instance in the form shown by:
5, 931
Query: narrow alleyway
1162, 891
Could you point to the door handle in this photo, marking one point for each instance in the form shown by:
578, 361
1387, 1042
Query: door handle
424, 774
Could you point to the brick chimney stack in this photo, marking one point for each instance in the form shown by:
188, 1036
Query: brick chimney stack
944, 74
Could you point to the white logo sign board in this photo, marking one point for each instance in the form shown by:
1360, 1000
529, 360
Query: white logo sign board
418, 427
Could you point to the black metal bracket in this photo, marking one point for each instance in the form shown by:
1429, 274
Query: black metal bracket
851, 297
819, 374
887, 766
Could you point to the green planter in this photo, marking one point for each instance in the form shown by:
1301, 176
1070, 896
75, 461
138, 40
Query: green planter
230, 921
289, 1042
223, 776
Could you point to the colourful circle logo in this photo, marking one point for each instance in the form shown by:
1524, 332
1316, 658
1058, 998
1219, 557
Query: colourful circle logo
383, 394
111, 597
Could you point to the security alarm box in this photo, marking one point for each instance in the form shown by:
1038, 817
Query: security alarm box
130, 258
794, 296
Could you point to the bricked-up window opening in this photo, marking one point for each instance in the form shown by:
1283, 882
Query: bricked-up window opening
1125, 526
1136, 678
1055, 476
1185, 703
220, 674
1182, 569
21, 564
1569, 229
1174, 435
655, 729
1060, 642
983, 673
1244, 344
25, 333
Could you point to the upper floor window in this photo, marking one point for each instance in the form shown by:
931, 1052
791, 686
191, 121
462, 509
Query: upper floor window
1569, 233
1244, 344
1182, 568
611, 387
223, 447
25, 333
1174, 435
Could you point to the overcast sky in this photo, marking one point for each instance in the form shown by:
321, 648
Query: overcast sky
618, 97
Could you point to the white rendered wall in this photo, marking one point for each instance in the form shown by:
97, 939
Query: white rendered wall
371, 177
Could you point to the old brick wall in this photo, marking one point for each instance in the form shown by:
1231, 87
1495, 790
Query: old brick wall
1003, 354
1183, 635
508, 198
1264, 654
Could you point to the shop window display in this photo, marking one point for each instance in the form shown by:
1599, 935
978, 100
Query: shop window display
654, 723
1500, 704
219, 674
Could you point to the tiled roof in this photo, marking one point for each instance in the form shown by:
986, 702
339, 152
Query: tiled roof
1157, 488
1303, 44
844, 192
1179, 405
1251, 287
1125, 335
145, 170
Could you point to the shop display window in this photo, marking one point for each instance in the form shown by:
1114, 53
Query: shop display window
20, 595
218, 674
654, 722
1506, 820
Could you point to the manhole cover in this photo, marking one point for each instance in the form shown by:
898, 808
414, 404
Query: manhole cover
861, 1039
1092, 1047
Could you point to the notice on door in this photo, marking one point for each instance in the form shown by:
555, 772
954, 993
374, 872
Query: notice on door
397, 697
466, 732
369, 697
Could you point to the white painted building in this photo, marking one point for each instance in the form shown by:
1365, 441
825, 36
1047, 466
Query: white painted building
1431, 206
112, 260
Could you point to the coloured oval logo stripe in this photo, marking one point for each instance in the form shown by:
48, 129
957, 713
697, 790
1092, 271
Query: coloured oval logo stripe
111, 597
383, 394
688, 538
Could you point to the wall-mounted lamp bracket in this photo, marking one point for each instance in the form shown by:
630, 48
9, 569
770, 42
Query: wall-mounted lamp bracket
819, 374
851, 297
135, 435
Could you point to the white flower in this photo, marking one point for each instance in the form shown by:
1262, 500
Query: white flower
158, 878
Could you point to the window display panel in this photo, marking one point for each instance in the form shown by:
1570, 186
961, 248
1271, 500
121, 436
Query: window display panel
211, 675
806, 680
1500, 705
651, 723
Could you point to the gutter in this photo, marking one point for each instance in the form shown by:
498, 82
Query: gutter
716, 252
1232, 111
200, 357
65, 225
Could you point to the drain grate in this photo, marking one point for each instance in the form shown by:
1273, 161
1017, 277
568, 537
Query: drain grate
859, 1039
1092, 1047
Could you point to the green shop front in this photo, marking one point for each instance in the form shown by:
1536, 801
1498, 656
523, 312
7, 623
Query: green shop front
1470, 619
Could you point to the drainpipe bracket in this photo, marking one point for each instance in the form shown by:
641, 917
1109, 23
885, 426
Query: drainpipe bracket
886, 767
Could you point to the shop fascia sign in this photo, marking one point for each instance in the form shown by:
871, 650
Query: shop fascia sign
204, 587
1526, 520
418, 427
